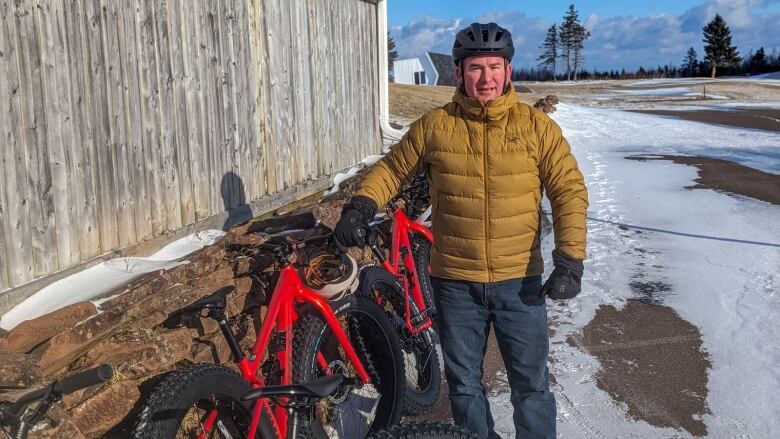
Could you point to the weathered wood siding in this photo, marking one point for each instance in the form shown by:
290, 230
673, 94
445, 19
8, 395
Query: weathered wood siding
123, 120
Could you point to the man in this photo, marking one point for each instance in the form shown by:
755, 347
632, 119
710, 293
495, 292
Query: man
488, 158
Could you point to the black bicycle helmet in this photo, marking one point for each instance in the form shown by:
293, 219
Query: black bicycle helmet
483, 39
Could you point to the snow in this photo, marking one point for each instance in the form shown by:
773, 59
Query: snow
669, 81
677, 91
96, 281
774, 75
349, 173
720, 253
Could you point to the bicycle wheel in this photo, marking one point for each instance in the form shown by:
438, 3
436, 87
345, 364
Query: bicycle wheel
421, 359
424, 430
179, 405
421, 251
353, 410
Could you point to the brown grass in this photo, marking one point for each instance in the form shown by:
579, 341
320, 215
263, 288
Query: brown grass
412, 101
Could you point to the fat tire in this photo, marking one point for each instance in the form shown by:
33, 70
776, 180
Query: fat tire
311, 334
163, 412
376, 280
424, 430
421, 252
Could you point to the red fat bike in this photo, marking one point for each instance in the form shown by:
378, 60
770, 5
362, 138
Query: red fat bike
401, 240
308, 333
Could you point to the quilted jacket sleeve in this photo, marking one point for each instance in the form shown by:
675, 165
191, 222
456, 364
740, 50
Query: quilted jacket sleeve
565, 187
385, 178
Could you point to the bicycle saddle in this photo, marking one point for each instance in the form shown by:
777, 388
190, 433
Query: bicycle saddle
315, 389
217, 299
284, 222
298, 235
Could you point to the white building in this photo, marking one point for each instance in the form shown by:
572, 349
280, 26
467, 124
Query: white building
432, 69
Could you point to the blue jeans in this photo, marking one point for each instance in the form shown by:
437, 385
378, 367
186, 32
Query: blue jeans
517, 311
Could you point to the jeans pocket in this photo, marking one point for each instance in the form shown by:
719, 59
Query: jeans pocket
531, 291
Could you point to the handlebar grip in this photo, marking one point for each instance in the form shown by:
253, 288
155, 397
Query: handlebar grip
90, 377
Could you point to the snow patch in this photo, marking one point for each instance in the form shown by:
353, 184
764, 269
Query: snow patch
95, 281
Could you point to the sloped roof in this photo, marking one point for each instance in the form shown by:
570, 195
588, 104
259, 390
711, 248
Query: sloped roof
445, 67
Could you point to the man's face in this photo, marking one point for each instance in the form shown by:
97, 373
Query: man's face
484, 77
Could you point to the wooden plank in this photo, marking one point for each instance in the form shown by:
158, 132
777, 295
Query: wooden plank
261, 98
83, 141
116, 60
151, 115
276, 86
191, 60
251, 170
215, 114
295, 94
169, 168
338, 91
16, 253
286, 137
228, 184
315, 66
375, 81
243, 117
230, 179
94, 32
6, 50
215, 90
304, 102
357, 122
179, 111
65, 198
210, 75
329, 91
38, 172
133, 119
203, 62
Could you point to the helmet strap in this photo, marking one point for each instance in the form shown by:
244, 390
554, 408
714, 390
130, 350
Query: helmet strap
462, 79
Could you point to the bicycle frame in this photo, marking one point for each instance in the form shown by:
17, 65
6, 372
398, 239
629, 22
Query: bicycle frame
281, 315
401, 248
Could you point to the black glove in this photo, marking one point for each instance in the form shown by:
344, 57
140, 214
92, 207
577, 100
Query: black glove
565, 280
352, 228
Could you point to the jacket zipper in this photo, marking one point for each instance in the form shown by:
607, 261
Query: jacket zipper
487, 218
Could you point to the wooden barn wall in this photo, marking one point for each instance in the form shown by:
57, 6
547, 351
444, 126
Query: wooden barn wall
121, 121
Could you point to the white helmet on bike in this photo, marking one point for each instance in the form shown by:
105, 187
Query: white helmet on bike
331, 275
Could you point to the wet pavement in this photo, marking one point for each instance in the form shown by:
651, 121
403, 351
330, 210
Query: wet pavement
652, 360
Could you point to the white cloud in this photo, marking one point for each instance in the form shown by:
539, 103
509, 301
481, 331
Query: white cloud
616, 42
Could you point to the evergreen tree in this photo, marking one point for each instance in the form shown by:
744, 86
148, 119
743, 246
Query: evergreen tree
550, 55
758, 62
392, 54
690, 64
571, 36
718, 49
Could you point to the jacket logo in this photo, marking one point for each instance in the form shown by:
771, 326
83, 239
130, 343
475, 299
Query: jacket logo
515, 143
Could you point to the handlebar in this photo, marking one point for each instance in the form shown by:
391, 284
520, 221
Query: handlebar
284, 244
14, 414
82, 380
415, 195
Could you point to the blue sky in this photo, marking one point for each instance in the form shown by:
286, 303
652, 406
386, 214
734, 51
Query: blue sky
625, 34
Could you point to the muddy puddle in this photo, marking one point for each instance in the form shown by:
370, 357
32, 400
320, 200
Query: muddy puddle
651, 360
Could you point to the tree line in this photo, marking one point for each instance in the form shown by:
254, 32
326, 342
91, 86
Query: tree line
565, 42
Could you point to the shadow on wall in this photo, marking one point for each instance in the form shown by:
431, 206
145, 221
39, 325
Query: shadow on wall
234, 200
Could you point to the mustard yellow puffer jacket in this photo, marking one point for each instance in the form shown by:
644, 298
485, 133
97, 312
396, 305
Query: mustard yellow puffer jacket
487, 165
